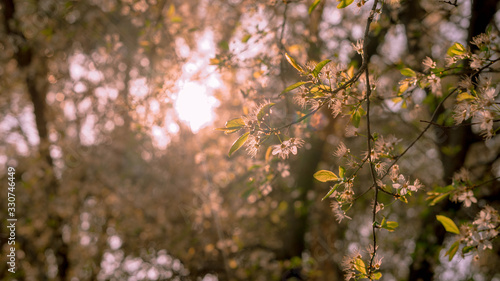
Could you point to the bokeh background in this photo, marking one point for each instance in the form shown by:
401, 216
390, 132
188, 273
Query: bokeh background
108, 110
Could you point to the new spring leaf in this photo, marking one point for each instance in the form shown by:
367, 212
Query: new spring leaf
448, 224
294, 63
238, 143
324, 176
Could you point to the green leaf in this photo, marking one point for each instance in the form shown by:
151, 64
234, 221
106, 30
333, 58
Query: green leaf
233, 126
392, 224
294, 63
389, 225
319, 66
246, 38
356, 118
437, 199
408, 72
376, 276
361, 111
324, 176
456, 50
330, 192
313, 6
291, 87
453, 250
360, 266
235, 123
467, 249
403, 87
464, 96
341, 171
263, 111
238, 143
320, 90
382, 224
344, 3
448, 224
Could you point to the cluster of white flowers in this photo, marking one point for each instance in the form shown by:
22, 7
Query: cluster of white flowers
479, 103
463, 188
482, 231
403, 186
287, 147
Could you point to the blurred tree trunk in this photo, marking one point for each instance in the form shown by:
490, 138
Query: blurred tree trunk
35, 68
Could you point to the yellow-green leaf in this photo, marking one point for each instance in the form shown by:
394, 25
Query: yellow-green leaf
238, 143
392, 224
246, 38
464, 96
356, 118
408, 72
403, 87
319, 67
438, 198
324, 176
232, 126
360, 266
456, 50
291, 87
448, 224
294, 63
320, 90
467, 249
263, 111
341, 171
313, 6
235, 123
397, 99
453, 250
344, 3
330, 192
376, 276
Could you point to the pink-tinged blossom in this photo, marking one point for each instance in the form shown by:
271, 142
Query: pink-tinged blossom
485, 120
380, 168
341, 150
358, 47
428, 64
287, 147
401, 185
337, 210
467, 198
284, 169
416, 186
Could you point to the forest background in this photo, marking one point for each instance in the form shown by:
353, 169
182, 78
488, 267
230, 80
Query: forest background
109, 115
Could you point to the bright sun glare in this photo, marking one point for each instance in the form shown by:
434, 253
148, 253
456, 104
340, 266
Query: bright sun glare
194, 105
